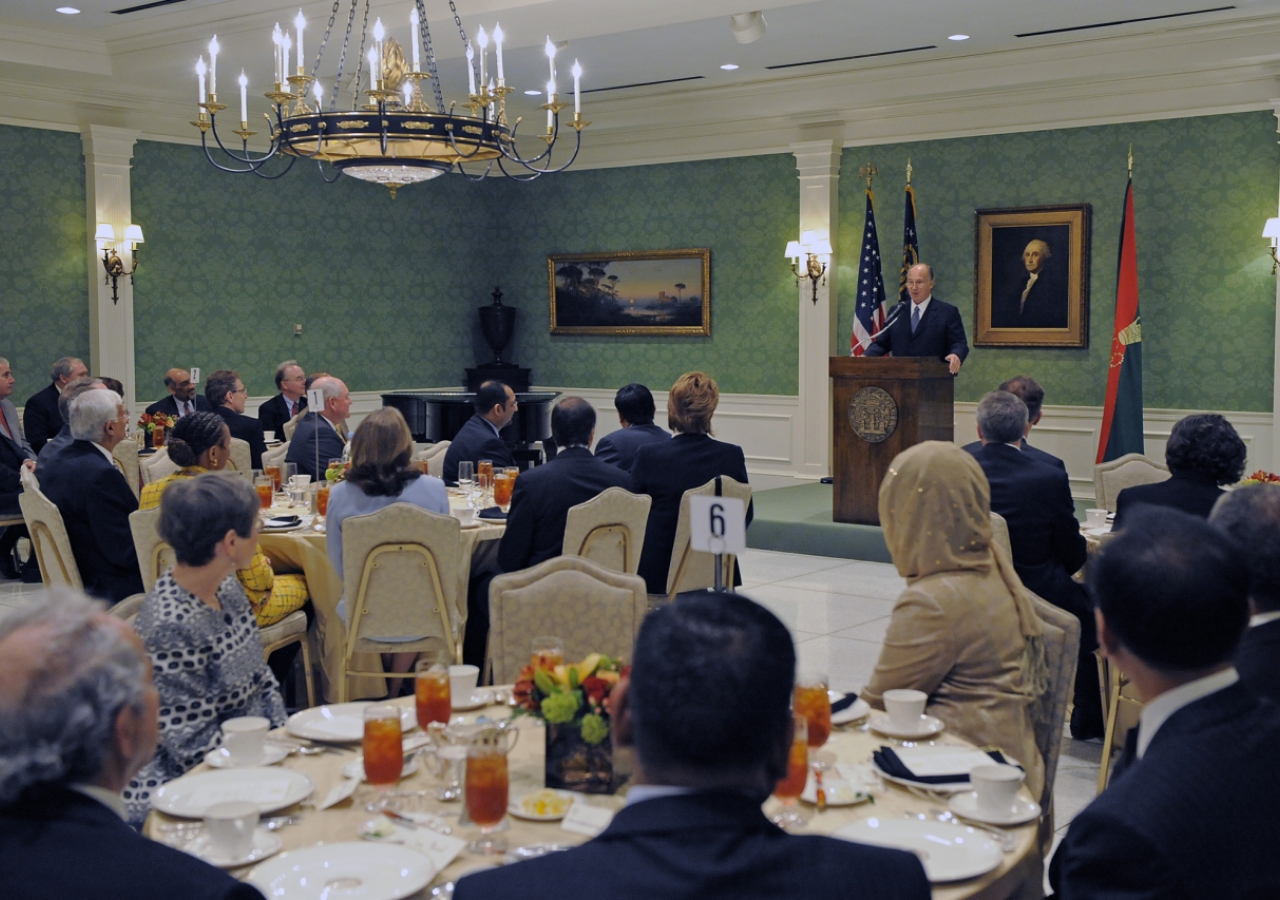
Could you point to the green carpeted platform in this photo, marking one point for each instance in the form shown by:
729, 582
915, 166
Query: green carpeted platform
798, 520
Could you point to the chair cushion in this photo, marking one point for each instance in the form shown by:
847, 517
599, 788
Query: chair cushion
294, 624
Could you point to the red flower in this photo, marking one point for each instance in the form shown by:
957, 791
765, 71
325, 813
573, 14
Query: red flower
596, 688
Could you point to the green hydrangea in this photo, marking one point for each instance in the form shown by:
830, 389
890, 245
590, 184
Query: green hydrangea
559, 708
594, 728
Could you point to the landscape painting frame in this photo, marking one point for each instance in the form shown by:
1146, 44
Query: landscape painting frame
581, 304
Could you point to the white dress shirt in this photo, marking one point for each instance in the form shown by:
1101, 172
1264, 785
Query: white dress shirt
1263, 618
113, 802
638, 793
1035, 276
1158, 711
923, 306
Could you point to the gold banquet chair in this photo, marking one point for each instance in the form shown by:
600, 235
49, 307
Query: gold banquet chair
158, 466
400, 567
1110, 478
126, 456
1120, 707
241, 461
433, 456
692, 570
609, 529
591, 608
49, 540
275, 455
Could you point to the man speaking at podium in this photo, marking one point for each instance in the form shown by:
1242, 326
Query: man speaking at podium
928, 328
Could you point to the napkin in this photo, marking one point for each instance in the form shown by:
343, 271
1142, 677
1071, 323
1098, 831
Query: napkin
890, 763
584, 818
844, 703
340, 791
493, 512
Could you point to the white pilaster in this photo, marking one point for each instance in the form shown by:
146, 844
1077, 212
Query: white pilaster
107, 155
818, 163
1275, 367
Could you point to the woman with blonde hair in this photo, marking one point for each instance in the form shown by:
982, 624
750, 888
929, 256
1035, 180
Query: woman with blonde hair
666, 469
964, 631
380, 475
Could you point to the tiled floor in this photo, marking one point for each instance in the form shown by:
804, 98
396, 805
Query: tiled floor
837, 611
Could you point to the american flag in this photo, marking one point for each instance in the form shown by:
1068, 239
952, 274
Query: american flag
870, 312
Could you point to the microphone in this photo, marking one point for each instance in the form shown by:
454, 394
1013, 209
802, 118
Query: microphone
889, 320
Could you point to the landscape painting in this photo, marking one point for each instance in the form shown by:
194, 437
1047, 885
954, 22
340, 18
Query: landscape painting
641, 292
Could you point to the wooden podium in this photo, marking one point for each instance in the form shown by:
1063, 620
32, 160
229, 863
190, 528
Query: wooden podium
881, 407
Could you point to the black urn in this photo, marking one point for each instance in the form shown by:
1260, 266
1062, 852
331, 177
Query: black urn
498, 323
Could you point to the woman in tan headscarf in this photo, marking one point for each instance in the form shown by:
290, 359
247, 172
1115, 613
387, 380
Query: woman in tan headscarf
964, 631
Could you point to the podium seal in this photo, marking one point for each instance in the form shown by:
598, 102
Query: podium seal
873, 414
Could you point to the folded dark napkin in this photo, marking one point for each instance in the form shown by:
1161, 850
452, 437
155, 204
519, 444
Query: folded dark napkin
891, 764
493, 512
844, 703
281, 522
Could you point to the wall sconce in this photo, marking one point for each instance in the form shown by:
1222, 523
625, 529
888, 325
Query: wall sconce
1272, 230
111, 261
817, 254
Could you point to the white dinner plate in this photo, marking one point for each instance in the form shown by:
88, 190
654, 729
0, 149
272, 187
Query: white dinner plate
270, 788
264, 844
838, 791
339, 722
1020, 811
526, 807
859, 710
352, 869
355, 768
928, 727
219, 758
948, 852
479, 697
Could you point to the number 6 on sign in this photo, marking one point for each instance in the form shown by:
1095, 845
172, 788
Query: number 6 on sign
717, 524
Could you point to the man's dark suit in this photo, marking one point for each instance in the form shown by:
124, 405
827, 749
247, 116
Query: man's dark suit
476, 440
58, 843
1032, 452
1192, 819
40, 417
618, 448
665, 471
1046, 305
58, 443
939, 334
314, 429
95, 502
541, 500
169, 405
249, 430
275, 412
1190, 492
704, 846
1258, 659
14, 452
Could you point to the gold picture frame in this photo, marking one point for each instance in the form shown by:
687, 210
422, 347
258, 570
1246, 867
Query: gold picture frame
1011, 307
639, 292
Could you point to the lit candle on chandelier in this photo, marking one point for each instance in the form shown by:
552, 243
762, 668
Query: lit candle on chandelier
213, 66
551, 61
577, 88
277, 38
244, 100
491, 94
483, 40
200, 70
551, 99
373, 65
471, 72
286, 44
378, 34
417, 36
300, 23
497, 43
319, 89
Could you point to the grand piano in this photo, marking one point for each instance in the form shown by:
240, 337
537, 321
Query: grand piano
435, 416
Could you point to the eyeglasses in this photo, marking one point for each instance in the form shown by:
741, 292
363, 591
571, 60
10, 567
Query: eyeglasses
240, 390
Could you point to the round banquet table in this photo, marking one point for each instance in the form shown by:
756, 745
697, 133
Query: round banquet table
1018, 876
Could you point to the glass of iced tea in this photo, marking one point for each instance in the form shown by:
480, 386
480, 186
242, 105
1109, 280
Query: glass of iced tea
322, 498
547, 652
383, 747
273, 472
503, 484
813, 702
484, 474
266, 490
431, 694
487, 789
158, 436
792, 786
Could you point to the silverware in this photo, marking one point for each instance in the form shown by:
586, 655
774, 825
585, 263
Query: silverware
1008, 843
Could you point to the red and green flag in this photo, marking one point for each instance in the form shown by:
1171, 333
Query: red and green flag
1122, 415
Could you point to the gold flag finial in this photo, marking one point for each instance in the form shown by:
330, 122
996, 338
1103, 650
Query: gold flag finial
1131, 160
908, 171
868, 171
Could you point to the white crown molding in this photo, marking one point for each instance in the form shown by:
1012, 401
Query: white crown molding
49, 50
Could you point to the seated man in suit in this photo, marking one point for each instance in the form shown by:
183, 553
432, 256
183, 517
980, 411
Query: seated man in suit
705, 760
479, 438
291, 382
1188, 813
62, 833
1028, 390
1251, 515
63, 438
1203, 453
1044, 533
318, 438
226, 394
182, 397
635, 407
15, 455
929, 328
40, 418
94, 498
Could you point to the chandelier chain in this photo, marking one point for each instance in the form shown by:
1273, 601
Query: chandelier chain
324, 41
462, 33
431, 56
355, 84
342, 58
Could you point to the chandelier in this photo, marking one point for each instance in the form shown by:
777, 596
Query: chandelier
389, 134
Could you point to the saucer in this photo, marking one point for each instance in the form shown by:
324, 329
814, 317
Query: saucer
966, 806
219, 758
355, 768
928, 727
546, 805
479, 697
264, 844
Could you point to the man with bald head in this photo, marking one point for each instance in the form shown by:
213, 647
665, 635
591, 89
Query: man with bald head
182, 399
40, 412
925, 327
319, 436
78, 717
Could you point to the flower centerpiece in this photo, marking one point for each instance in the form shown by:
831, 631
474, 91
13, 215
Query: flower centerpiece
574, 701
156, 424
1259, 477
333, 474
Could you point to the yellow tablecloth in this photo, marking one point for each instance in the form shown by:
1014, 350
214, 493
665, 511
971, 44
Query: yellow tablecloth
1019, 874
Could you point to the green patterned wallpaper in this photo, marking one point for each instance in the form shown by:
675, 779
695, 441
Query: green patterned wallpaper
744, 209
382, 287
43, 282
1202, 189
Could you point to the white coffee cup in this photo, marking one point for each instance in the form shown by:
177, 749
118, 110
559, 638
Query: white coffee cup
231, 826
300, 481
462, 682
1095, 518
268, 436
997, 787
244, 738
905, 707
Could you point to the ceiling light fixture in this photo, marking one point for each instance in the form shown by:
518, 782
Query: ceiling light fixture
729, 67
532, 93
68, 10
747, 27
958, 37
394, 138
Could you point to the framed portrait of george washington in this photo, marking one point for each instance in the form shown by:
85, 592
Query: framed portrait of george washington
1031, 280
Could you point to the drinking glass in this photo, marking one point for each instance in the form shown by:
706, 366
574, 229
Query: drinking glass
287, 471
547, 652
322, 499
792, 786
487, 793
812, 701
158, 436
266, 490
272, 472
466, 475
383, 747
502, 487
431, 694
484, 475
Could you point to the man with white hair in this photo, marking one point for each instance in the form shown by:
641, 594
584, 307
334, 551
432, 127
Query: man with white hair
78, 717
318, 437
94, 498
40, 417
